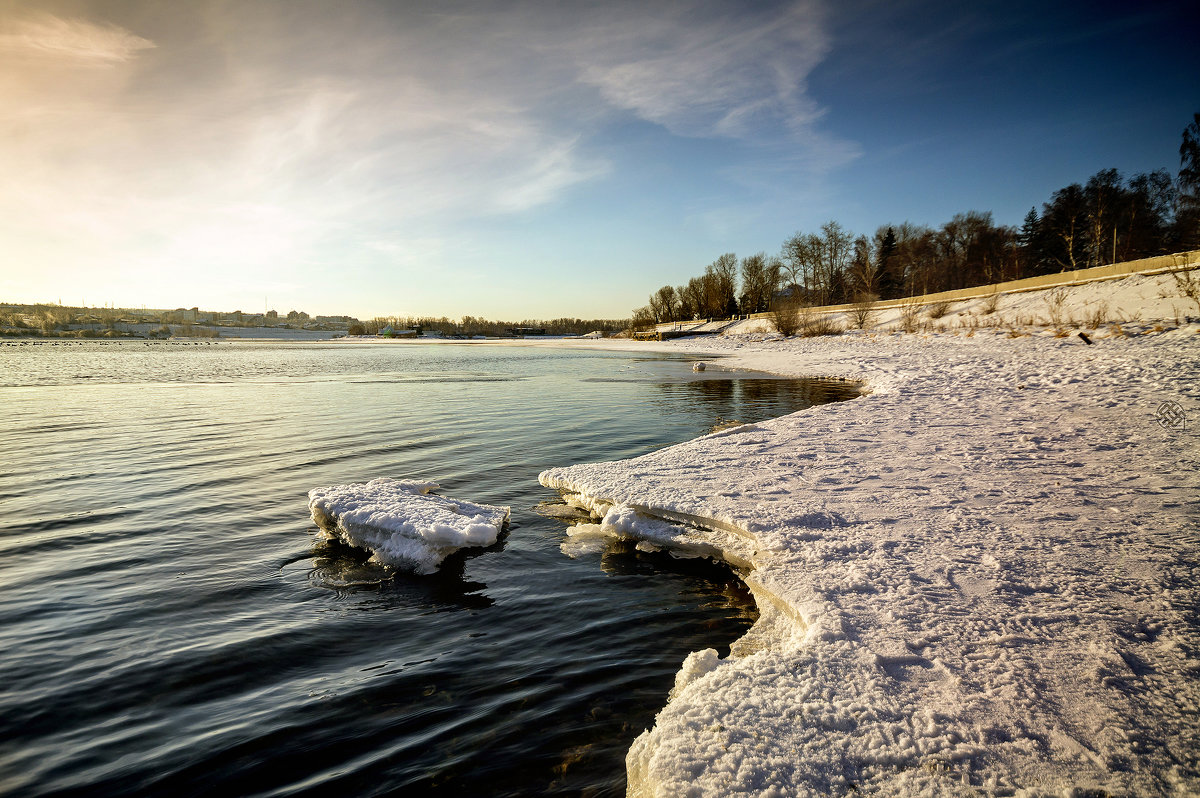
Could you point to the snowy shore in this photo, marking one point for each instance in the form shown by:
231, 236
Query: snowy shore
980, 578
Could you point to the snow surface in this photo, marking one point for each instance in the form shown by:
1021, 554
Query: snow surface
981, 578
401, 523
1123, 306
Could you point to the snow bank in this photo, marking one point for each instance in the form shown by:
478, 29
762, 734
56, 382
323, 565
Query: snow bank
401, 523
980, 578
1103, 308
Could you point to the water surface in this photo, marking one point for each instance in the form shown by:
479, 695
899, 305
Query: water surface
171, 623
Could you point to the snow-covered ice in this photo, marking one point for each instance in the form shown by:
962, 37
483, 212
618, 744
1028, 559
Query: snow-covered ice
401, 523
982, 577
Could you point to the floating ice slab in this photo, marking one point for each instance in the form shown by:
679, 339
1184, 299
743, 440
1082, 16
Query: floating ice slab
401, 523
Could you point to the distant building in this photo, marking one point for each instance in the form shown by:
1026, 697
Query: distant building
793, 293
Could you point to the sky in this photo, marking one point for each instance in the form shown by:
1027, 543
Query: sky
538, 159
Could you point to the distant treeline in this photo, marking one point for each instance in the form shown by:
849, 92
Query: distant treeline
85, 322
59, 321
469, 326
1110, 219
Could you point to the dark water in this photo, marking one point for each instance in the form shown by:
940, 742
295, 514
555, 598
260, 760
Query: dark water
170, 623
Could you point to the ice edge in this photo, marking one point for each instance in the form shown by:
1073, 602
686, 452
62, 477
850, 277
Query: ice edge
699, 536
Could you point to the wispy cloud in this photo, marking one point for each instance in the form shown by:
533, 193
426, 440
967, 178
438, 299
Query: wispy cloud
703, 69
45, 35
249, 142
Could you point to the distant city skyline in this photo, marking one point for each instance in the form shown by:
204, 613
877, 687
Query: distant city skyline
533, 160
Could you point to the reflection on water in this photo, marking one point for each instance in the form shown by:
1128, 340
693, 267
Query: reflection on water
733, 401
758, 392
172, 623
344, 568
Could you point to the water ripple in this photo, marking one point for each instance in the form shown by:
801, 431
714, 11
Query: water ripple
171, 617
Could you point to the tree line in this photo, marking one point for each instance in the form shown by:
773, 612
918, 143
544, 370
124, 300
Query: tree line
1108, 219
470, 326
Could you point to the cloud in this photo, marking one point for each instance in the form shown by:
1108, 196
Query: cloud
43, 35
250, 144
256, 143
703, 69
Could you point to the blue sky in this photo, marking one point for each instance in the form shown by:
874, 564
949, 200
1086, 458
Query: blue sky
537, 159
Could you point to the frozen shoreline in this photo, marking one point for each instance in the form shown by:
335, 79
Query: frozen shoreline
981, 578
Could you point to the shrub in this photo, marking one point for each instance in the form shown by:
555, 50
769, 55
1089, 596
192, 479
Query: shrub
1187, 282
938, 309
785, 315
910, 311
1056, 301
1097, 316
863, 311
813, 324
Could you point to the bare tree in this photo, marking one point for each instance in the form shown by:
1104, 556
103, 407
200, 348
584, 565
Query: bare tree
914, 254
1104, 194
664, 305
864, 276
721, 289
692, 297
643, 319
798, 259
685, 311
760, 279
819, 261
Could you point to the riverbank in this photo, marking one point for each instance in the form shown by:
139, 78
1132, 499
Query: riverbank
979, 578
146, 656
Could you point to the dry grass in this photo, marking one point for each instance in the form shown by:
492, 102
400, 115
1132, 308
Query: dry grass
812, 324
1056, 301
938, 309
863, 311
1096, 316
909, 313
990, 303
1187, 282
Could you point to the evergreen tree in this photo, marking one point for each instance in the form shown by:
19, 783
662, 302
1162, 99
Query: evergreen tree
1029, 241
1147, 216
1189, 159
1186, 234
1064, 223
890, 283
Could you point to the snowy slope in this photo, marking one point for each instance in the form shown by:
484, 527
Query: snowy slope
980, 578
1121, 306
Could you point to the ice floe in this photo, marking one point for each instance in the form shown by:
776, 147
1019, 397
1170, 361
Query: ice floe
402, 523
